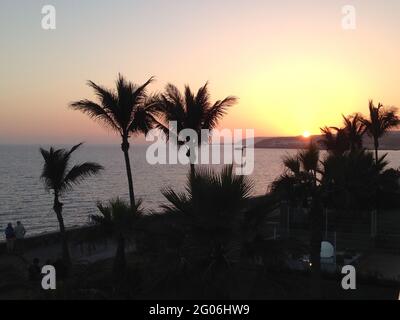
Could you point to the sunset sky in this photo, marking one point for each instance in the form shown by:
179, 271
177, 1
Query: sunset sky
290, 62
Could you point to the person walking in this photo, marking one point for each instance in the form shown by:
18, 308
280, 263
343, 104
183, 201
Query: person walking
19, 237
10, 238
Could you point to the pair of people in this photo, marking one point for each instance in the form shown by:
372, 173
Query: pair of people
15, 237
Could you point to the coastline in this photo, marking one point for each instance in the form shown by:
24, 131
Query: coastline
79, 233
88, 232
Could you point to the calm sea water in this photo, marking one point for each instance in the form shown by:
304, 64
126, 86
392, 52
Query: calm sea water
22, 196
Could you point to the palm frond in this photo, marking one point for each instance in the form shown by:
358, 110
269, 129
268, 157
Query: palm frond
118, 108
54, 168
217, 111
96, 112
108, 98
179, 202
191, 111
74, 148
209, 193
56, 163
80, 172
292, 163
309, 158
117, 216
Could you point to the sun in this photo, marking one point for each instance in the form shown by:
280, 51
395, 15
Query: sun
306, 134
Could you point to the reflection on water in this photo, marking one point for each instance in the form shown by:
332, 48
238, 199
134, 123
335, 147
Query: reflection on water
22, 196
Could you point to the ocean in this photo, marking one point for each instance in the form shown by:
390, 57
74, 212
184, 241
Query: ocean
23, 197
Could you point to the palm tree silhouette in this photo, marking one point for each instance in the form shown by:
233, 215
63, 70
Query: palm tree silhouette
342, 180
57, 177
335, 140
211, 203
353, 180
128, 110
380, 121
355, 130
211, 212
191, 111
118, 219
299, 176
350, 137
300, 183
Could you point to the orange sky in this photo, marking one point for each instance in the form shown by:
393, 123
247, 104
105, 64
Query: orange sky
291, 64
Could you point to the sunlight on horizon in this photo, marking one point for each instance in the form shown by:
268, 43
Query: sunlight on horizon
306, 134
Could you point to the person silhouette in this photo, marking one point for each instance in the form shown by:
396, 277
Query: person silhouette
19, 237
10, 238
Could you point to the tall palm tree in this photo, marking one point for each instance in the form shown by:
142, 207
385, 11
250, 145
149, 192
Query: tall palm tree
380, 121
58, 177
338, 140
335, 140
191, 111
353, 179
118, 219
127, 110
355, 130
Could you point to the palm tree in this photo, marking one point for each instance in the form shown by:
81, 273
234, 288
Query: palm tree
343, 180
380, 121
355, 130
335, 142
211, 211
354, 179
191, 111
128, 110
57, 177
299, 176
300, 183
338, 140
118, 219
211, 204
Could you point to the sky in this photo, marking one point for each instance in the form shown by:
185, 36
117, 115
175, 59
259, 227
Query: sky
291, 63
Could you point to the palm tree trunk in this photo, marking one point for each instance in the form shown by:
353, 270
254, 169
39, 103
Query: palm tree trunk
125, 150
191, 161
376, 144
64, 240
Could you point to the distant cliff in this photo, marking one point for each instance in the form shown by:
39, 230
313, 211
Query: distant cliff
391, 141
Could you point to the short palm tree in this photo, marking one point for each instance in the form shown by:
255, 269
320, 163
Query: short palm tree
60, 178
210, 206
118, 219
211, 211
299, 176
191, 111
380, 121
300, 183
128, 110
